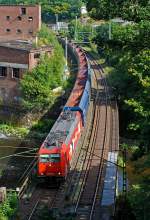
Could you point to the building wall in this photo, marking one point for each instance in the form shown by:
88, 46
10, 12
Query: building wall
13, 55
16, 25
13, 59
9, 87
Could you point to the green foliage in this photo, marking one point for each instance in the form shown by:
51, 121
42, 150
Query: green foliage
43, 126
139, 193
130, 37
11, 130
131, 10
64, 8
139, 152
120, 161
123, 209
9, 207
128, 52
38, 84
82, 32
139, 198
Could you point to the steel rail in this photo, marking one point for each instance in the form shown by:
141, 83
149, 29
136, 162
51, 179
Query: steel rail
79, 158
76, 174
33, 210
114, 131
88, 163
103, 148
90, 159
25, 179
84, 146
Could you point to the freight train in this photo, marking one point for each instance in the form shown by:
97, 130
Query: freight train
56, 152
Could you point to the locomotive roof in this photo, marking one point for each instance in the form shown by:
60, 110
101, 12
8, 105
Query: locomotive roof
60, 130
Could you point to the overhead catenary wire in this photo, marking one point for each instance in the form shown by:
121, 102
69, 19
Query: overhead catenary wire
16, 147
25, 156
28, 170
12, 155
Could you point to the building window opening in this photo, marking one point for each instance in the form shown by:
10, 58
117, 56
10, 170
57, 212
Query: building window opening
15, 73
7, 30
37, 55
23, 11
30, 31
19, 18
30, 19
7, 18
3, 71
19, 31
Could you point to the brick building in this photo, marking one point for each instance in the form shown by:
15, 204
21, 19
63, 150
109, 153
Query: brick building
16, 57
19, 21
18, 28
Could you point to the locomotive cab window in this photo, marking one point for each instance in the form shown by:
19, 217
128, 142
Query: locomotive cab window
55, 158
44, 158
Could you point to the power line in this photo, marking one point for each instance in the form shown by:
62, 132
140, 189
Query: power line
12, 155
15, 147
22, 155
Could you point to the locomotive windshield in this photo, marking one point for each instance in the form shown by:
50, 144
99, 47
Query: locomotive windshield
45, 158
54, 157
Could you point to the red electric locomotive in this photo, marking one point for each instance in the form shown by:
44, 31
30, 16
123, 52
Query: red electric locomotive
56, 151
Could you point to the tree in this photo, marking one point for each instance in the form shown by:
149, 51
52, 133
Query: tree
64, 8
134, 10
37, 85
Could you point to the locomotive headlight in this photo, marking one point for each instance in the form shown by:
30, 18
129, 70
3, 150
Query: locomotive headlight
50, 165
59, 173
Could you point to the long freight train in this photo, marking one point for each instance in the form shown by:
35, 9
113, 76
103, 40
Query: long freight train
57, 149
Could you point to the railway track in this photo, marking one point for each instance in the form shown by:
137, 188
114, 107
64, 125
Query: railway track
81, 193
98, 148
42, 199
90, 162
65, 198
112, 146
85, 182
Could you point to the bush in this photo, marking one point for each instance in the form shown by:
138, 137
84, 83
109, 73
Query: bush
37, 85
9, 207
12, 130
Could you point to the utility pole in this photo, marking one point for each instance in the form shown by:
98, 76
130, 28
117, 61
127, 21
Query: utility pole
75, 33
56, 21
124, 172
66, 72
66, 51
109, 29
